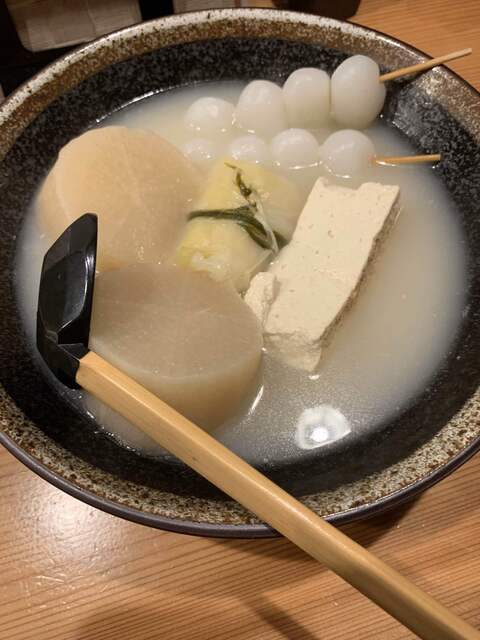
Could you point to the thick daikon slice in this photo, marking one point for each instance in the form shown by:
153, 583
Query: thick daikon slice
139, 185
188, 339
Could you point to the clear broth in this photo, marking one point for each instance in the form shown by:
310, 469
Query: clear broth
389, 344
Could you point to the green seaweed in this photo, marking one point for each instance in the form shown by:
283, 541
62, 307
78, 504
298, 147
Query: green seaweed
242, 216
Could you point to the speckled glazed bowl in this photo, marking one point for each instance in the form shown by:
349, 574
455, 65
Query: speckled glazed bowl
437, 111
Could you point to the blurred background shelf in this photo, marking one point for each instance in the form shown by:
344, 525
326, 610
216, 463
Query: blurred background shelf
35, 32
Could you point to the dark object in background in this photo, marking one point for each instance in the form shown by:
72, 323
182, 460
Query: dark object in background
340, 9
154, 9
17, 63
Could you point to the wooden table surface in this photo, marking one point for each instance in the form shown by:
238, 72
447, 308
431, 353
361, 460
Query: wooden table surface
70, 572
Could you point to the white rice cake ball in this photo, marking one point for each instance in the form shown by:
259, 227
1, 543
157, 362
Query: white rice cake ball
140, 186
347, 152
306, 94
210, 116
357, 94
260, 108
201, 152
250, 148
188, 339
294, 148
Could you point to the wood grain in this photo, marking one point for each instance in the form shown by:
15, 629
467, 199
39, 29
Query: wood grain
70, 572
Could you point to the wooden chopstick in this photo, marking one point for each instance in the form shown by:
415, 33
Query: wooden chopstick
422, 66
371, 576
429, 157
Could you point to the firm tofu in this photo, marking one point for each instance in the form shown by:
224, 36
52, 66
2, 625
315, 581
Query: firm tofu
318, 274
261, 294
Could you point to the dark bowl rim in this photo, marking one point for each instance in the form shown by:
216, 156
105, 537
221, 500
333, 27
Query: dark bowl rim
211, 530
176, 525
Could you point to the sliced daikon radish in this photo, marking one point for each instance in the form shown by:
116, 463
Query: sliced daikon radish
139, 185
347, 152
357, 94
250, 148
190, 340
306, 94
260, 109
210, 115
121, 428
294, 148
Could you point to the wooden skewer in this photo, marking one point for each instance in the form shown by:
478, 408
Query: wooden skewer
414, 608
429, 157
415, 68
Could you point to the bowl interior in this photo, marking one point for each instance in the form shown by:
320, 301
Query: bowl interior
439, 423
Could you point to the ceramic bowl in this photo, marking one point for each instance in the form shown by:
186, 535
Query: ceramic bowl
436, 110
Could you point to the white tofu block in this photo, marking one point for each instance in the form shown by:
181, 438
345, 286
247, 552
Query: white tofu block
320, 271
261, 294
